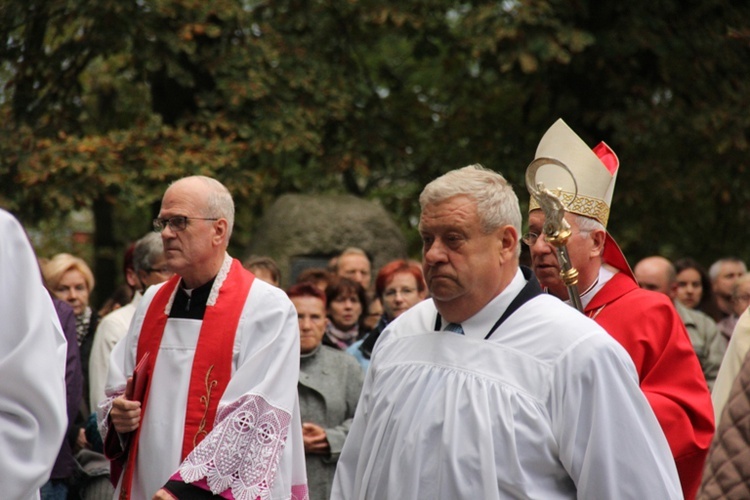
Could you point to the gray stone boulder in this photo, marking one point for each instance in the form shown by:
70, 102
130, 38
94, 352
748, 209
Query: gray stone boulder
300, 231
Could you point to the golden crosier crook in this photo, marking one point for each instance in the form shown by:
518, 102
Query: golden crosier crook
556, 229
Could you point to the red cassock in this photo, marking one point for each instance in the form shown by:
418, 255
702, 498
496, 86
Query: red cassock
646, 324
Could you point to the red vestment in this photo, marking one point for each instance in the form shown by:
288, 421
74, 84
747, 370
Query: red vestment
646, 324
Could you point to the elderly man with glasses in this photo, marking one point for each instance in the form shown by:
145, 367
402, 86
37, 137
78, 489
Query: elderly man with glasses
202, 392
645, 323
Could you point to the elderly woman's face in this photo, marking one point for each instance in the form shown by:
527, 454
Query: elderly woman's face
73, 290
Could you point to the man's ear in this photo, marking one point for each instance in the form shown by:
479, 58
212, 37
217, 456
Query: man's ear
508, 243
221, 227
598, 238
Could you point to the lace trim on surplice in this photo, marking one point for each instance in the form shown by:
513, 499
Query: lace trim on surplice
243, 450
102, 411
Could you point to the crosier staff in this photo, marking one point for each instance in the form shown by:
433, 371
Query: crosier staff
556, 229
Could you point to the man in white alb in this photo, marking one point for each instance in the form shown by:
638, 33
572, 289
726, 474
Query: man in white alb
33, 351
219, 415
491, 389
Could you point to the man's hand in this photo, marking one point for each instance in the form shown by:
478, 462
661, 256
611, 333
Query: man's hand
315, 439
125, 415
163, 494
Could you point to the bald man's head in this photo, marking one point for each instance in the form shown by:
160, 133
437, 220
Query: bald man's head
655, 273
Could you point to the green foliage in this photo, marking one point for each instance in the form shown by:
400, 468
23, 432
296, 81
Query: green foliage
107, 101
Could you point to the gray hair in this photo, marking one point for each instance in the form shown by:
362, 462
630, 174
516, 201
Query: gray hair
587, 224
146, 251
715, 269
497, 204
219, 202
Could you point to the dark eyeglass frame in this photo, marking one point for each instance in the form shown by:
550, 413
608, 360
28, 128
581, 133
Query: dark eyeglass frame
530, 238
176, 223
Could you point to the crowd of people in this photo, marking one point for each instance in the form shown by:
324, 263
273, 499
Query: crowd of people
460, 375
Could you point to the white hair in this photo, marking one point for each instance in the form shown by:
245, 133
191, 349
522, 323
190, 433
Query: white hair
715, 269
587, 224
497, 204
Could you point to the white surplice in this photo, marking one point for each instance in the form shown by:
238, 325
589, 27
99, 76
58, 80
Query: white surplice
548, 407
262, 392
33, 353
111, 329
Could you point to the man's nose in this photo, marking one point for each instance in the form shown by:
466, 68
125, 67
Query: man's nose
541, 245
435, 253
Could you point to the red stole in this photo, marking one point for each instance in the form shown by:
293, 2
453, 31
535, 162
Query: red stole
212, 364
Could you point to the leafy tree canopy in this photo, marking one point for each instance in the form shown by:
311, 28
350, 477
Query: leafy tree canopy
104, 102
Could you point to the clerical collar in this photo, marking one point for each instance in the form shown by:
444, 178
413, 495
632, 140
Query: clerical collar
605, 274
191, 303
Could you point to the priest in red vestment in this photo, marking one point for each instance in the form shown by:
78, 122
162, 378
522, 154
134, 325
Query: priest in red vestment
644, 322
202, 391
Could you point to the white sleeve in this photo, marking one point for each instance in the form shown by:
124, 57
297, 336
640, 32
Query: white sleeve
610, 440
33, 351
347, 479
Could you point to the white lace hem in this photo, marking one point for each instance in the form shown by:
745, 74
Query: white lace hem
243, 451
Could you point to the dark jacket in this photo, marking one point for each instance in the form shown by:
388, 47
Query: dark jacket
65, 464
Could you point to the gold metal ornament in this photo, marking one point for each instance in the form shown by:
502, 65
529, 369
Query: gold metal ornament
556, 229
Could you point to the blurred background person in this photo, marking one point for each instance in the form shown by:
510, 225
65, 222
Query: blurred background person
329, 385
70, 279
399, 285
723, 273
373, 313
346, 300
658, 274
692, 286
264, 268
57, 487
124, 293
354, 263
122, 296
739, 299
318, 276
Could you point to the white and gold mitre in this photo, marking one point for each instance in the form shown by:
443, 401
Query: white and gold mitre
595, 172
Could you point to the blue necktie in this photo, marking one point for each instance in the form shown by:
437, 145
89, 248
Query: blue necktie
455, 328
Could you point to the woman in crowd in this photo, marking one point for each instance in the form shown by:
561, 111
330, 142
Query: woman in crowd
329, 385
70, 279
400, 285
693, 288
346, 300
374, 312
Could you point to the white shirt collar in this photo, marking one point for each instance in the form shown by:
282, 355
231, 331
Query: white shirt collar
479, 325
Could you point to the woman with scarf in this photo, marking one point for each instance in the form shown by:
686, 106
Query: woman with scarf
346, 301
